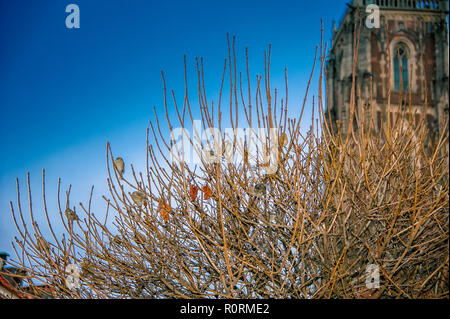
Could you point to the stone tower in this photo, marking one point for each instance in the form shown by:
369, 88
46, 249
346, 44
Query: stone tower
408, 50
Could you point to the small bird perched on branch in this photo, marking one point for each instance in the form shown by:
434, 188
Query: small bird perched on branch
42, 245
120, 166
71, 215
282, 140
139, 198
226, 149
260, 189
211, 157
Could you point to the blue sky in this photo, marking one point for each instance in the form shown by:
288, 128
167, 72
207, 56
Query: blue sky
65, 92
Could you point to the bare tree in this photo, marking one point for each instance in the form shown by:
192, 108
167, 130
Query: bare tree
280, 214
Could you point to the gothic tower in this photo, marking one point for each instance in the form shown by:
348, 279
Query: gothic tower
407, 52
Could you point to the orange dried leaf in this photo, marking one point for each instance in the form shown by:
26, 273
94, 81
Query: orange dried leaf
207, 191
193, 190
164, 210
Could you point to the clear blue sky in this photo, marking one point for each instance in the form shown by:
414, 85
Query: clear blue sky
65, 92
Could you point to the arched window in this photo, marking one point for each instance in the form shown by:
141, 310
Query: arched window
401, 75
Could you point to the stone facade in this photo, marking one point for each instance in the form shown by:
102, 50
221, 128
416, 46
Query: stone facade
413, 34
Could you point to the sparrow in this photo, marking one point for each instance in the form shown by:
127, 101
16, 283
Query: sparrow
282, 140
211, 158
120, 166
226, 148
272, 218
71, 215
86, 266
260, 189
42, 245
209, 155
276, 215
139, 198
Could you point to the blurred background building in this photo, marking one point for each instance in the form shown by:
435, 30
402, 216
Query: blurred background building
408, 51
11, 283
